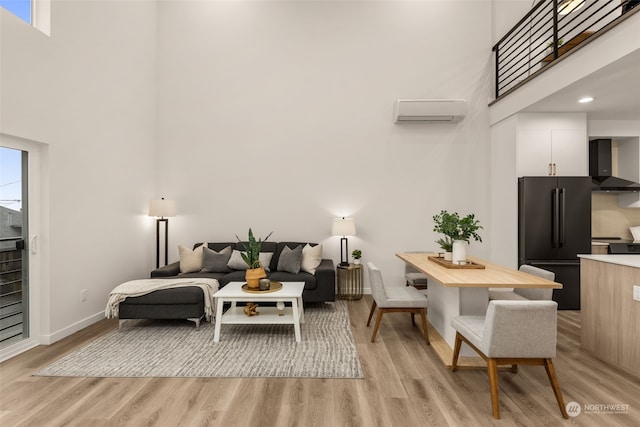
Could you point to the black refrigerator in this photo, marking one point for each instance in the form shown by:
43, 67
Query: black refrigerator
554, 226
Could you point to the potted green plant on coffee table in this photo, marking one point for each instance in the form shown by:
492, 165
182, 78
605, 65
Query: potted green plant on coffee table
255, 270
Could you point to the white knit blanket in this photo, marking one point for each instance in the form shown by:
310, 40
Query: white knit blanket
136, 288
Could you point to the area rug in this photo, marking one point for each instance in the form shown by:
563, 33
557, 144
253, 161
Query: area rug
145, 348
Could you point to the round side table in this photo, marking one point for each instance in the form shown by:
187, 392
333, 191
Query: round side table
350, 281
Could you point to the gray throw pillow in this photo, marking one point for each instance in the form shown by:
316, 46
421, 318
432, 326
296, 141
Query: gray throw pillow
216, 262
290, 259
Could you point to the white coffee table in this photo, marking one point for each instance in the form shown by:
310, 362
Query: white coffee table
291, 292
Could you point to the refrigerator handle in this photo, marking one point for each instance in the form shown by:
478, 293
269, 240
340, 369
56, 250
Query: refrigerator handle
562, 218
555, 220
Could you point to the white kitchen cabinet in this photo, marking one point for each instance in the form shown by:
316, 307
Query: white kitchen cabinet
543, 152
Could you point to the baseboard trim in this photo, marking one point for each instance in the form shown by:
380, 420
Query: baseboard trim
18, 348
71, 329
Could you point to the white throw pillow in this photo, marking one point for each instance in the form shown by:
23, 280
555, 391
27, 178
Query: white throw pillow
190, 260
311, 257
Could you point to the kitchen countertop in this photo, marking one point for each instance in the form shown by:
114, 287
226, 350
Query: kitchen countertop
627, 260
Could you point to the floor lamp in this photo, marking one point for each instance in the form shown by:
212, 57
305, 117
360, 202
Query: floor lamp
343, 227
162, 209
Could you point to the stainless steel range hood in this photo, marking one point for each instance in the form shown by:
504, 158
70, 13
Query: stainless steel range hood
600, 169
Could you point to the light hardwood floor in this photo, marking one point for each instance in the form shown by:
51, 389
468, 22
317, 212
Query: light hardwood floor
405, 385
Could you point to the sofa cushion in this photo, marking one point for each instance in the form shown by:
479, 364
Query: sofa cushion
290, 259
234, 276
309, 280
182, 295
311, 258
190, 260
216, 261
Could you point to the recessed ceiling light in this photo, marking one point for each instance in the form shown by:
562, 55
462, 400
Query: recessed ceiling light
585, 99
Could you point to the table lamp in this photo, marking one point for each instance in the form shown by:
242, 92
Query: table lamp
343, 227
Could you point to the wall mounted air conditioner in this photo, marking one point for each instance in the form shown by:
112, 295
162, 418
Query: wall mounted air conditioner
430, 110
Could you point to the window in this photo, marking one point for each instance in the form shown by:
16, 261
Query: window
20, 8
37, 13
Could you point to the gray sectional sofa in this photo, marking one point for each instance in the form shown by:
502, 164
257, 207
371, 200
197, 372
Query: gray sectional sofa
186, 303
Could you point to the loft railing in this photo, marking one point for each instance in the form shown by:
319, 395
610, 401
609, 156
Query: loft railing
547, 32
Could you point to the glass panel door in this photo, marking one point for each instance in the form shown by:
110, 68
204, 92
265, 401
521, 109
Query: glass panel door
13, 257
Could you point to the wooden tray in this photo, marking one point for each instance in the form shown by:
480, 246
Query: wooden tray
449, 264
274, 286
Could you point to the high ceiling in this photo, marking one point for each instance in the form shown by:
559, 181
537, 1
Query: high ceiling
616, 89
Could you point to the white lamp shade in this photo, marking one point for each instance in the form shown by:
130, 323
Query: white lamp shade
343, 227
162, 208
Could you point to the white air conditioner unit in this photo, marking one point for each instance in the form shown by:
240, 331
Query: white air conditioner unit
430, 110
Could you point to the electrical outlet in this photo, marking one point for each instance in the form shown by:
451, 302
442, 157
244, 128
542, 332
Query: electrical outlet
83, 295
636, 293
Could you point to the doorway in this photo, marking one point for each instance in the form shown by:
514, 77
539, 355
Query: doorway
14, 232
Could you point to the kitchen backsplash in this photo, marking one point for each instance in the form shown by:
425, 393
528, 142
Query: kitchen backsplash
610, 220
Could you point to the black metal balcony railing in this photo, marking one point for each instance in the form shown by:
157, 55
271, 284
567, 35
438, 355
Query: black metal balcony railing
547, 32
11, 292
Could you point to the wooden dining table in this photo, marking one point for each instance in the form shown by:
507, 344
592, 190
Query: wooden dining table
456, 290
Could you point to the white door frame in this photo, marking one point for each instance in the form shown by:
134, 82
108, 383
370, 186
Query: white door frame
36, 242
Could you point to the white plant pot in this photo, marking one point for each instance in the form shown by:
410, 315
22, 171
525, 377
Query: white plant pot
459, 251
356, 261
447, 256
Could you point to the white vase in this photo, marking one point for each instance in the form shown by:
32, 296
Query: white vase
459, 251
356, 261
447, 256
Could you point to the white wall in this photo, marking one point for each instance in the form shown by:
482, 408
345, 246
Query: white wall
278, 116
275, 115
87, 94
504, 193
506, 13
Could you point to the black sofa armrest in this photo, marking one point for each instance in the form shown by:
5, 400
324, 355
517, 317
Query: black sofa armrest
326, 267
170, 270
326, 280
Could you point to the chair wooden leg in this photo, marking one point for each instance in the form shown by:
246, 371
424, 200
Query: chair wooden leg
377, 325
413, 319
456, 352
492, 367
514, 369
425, 332
373, 308
553, 379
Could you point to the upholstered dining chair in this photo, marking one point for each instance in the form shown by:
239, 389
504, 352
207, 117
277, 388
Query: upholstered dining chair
524, 294
395, 299
512, 333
